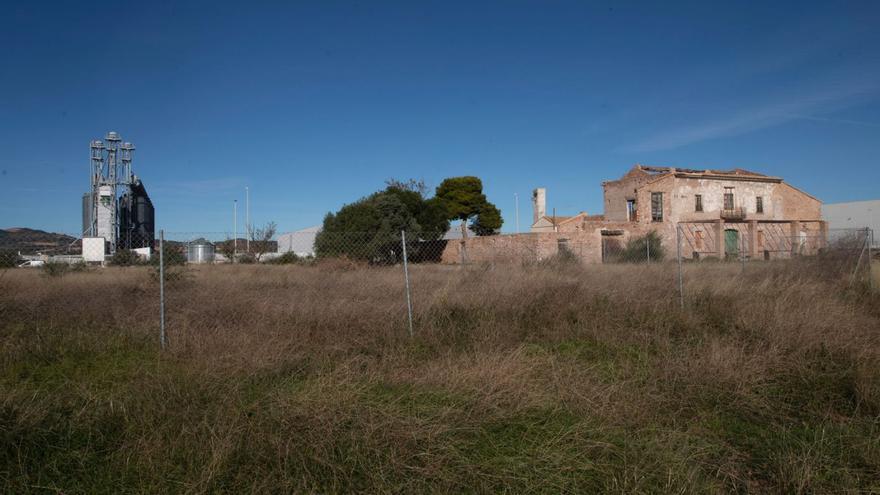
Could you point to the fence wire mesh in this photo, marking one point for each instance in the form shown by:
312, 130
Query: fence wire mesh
832, 254
425, 270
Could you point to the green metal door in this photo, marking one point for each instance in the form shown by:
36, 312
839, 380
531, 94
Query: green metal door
731, 243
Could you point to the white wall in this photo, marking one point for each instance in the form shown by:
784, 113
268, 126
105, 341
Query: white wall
301, 242
854, 215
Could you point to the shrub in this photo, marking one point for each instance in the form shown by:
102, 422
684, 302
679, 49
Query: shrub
172, 254
636, 250
173, 273
246, 258
564, 258
125, 257
288, 258
79, 266
55, 269
340, 264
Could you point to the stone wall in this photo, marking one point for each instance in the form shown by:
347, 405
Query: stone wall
585, 244
617, 192
754, 239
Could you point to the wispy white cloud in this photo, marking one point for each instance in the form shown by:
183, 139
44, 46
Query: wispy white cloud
837, 121
760, 116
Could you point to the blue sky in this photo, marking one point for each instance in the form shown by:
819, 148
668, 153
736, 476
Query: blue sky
314, 104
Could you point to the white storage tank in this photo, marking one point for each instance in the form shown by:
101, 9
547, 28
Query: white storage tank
200, 251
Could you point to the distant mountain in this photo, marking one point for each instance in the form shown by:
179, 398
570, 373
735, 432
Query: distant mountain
31, 241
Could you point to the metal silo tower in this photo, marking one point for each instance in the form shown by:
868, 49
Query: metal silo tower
110, 169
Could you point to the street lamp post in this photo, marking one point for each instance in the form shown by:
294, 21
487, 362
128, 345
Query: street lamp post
516, 202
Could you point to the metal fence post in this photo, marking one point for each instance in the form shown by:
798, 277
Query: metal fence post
162, 288
862, 252
869, 240
406, 278
648, 246
678, 250
871, 262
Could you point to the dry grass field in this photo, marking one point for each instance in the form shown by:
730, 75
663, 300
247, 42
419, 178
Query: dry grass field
552, 379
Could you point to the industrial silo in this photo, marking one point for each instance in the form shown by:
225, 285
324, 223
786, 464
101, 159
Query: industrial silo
200, 251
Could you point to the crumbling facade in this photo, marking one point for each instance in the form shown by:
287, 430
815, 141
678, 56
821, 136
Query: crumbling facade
702, 213
717, 213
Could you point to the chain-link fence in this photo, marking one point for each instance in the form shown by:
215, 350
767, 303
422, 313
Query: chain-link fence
33, 248
19, 246
843, 254
424, 269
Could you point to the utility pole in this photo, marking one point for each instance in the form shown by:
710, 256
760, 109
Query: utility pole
247, 217
234, 228
516, 202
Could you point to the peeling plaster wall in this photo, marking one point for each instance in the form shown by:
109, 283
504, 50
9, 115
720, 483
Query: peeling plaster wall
745, 196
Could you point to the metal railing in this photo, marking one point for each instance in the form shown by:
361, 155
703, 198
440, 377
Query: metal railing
733, 213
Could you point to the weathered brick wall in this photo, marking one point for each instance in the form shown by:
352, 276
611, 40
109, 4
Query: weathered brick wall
780, 240
797, 205
585, 244
663, 185
496, 248
616, 192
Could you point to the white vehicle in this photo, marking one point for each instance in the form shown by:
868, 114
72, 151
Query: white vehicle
31, 263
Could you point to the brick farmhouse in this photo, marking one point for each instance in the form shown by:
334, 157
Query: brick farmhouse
705, 213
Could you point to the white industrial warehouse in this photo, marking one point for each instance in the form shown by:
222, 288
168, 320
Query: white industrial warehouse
854, 215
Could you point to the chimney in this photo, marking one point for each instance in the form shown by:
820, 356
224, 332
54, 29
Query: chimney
539, 200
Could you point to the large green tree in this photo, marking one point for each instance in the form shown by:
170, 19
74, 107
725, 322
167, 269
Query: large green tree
462, 198
369, 229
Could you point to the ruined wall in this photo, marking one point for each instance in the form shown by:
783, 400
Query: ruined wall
698, 239
498, 248
664, 185
585, 244
617, 192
